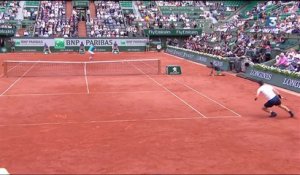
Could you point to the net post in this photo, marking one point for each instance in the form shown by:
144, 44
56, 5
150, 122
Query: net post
4, 64
159, 68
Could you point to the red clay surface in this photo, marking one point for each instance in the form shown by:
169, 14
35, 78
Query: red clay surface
156, 124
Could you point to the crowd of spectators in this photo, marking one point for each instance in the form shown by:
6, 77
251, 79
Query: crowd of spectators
285, 19
237, 38
52, 20
12, 8
218, 9
30, 13
154, 18
110, 21
257, 46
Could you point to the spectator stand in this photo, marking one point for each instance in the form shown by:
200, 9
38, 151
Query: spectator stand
111, 22
52, 21
223, 10
180, 14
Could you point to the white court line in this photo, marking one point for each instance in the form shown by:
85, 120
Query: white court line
110, 121
3, 171
96, 121
232, 116
17, 80
203, 95
86, 80
80, 93
186, 103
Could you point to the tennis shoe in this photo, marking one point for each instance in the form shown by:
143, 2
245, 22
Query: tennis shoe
273, 114
291, 114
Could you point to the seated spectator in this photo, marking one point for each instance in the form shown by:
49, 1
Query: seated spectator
282, 61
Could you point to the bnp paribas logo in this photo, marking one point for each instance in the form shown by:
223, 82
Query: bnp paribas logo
17, 42
123, 42
59, 43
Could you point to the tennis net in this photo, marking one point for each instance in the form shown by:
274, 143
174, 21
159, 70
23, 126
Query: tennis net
68, 68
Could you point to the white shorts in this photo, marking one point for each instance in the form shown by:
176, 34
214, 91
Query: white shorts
91, 52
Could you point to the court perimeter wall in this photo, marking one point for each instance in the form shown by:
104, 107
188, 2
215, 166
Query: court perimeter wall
72, 44
277, 79
198, 57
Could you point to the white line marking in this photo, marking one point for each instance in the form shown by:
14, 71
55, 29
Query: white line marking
80, 93
111, 121
96, 121
18, 79
3, 171
238, 115
186, 103
86, 80
87, 85
233, 116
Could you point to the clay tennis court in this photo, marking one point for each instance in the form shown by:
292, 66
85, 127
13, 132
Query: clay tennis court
142, 124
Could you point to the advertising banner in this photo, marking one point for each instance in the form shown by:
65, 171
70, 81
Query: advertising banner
62, 43
274, 79
172, 32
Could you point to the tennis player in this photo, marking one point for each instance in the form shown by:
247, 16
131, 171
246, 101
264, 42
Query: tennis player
273, 97
91, 52
217, 69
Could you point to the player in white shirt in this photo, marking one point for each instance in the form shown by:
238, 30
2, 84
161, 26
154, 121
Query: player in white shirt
273, 97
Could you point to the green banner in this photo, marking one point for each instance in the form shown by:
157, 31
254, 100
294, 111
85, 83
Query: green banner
173, 70
7, 31
59, 43
83, 3
172, 32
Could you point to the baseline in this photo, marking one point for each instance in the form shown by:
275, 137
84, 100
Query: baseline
62, 94
109, 121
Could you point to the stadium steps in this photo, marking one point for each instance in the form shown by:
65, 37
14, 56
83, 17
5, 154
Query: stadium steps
69, 8
92, 8
82, 29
